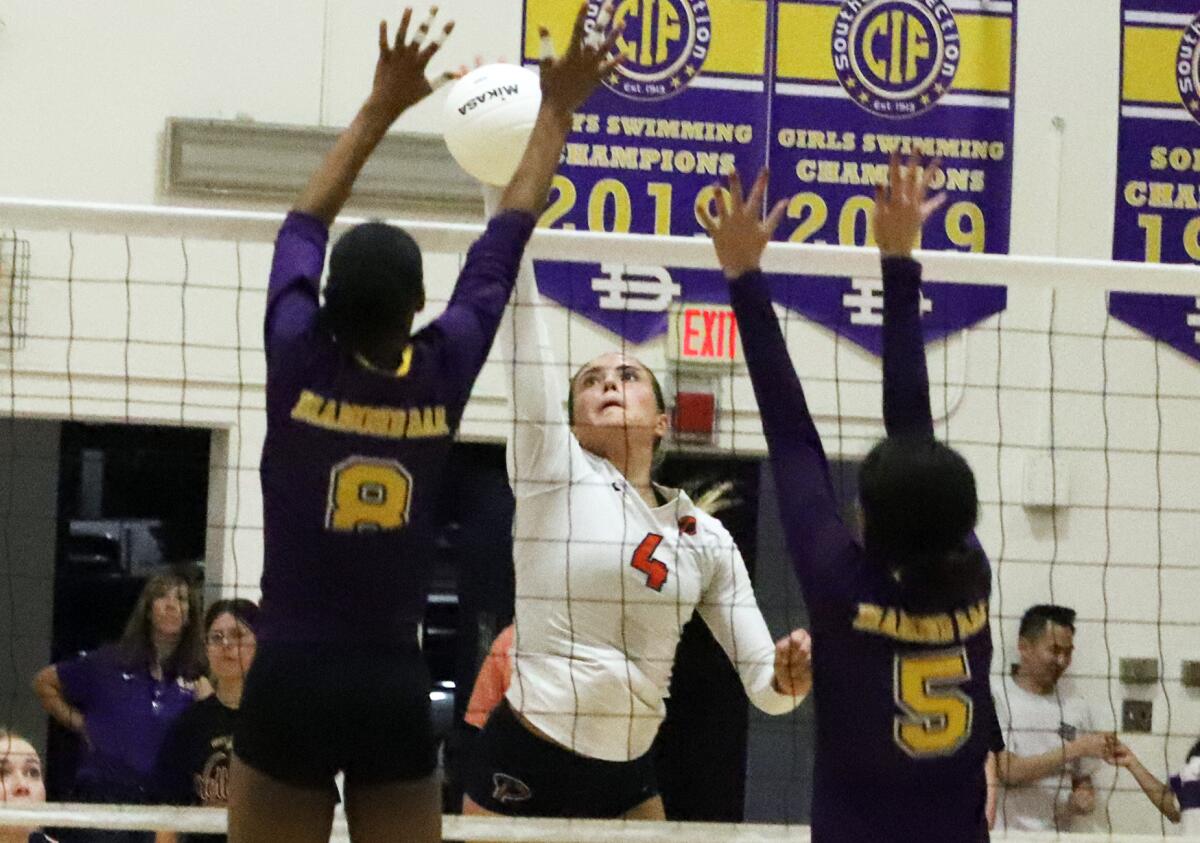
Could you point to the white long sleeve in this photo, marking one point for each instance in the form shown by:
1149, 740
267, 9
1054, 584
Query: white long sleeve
730, 610
539, 449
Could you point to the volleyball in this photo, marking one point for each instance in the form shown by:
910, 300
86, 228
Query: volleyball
489, 116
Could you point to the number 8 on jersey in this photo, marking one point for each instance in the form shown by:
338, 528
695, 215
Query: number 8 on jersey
367, 494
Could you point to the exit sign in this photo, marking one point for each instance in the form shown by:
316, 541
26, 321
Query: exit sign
703, 334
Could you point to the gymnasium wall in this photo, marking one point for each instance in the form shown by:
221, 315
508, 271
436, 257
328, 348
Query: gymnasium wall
88, 86
86, 92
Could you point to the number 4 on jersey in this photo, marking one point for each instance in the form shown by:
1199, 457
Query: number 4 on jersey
644, 561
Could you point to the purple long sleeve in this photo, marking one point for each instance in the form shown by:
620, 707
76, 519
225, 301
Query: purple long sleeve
472, 316
870, 780
905, 374
820, 544
292, 300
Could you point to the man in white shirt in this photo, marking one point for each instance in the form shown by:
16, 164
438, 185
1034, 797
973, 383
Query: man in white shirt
1051, 743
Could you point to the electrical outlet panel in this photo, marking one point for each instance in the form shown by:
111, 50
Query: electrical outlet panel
1137, 716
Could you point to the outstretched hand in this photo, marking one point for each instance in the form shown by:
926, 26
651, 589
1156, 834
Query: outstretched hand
400, 81
901, 206
569, 80
793, 664
738, 231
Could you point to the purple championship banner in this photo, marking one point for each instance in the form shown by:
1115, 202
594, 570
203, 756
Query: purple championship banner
688, 104
860, 79
712, 84
1158, 162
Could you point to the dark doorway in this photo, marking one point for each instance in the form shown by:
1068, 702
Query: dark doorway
132, 499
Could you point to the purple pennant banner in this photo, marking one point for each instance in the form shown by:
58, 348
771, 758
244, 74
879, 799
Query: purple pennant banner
1174, 320
633, 301
853, 307
630, 301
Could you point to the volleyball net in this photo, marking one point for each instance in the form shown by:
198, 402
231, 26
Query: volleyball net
1071, 387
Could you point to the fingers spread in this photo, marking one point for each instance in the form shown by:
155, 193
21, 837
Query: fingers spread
774, 218
436, 44
735, 191
578, 32
383, 39
721, 198
931, 205
402, 32
758, 191
546, 45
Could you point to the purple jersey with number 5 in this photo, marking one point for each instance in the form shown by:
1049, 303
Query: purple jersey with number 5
904, 709
354, 456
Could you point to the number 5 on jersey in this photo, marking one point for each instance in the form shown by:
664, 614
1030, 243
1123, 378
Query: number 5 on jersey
367, 494
936, 717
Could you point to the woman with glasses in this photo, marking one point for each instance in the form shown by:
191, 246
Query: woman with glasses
193, 765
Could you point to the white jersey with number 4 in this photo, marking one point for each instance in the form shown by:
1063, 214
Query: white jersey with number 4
604, 582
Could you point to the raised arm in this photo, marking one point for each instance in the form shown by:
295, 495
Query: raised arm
816, 537
399, 84
292, 298
539, 447
566, 83
901, 208
777, 676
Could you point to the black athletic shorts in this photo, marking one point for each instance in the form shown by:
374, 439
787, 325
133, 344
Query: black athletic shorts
311, 710
518, 773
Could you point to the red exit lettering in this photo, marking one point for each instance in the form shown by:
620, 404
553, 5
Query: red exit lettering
707, 334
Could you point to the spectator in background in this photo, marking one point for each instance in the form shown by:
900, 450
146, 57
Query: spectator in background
1052, 745
122, 698
21, 784
492, 683
1179, 802
193, 764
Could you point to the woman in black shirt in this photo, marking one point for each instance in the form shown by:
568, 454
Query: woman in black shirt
193, 767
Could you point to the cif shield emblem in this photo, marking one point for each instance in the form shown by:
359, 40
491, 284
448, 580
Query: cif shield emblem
665, 43
896, 58
1187, 68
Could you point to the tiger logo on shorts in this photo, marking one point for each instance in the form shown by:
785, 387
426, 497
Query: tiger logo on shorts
507, 789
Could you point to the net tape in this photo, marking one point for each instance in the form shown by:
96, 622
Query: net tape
499, 829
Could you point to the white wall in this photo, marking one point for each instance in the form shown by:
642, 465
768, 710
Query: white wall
86, 90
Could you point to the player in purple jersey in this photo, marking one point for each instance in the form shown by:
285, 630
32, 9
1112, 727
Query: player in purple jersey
901, 643
360, 414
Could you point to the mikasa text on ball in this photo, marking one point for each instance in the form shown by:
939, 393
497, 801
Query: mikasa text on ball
489, 116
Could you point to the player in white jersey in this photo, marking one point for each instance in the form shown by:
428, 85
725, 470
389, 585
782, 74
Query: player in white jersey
609, 568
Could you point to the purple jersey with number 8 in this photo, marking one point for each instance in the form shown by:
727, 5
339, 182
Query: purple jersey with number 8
354, 456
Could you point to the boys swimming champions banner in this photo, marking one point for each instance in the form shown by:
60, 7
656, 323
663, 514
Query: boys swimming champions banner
821, 90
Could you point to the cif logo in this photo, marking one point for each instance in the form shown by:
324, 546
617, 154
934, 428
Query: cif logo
896, 58
1187, 68
665, 43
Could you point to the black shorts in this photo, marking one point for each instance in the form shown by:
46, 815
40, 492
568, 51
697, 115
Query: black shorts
516, 772
311, 710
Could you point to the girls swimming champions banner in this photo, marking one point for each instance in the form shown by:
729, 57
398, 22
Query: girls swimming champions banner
1158, 162
821, 90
